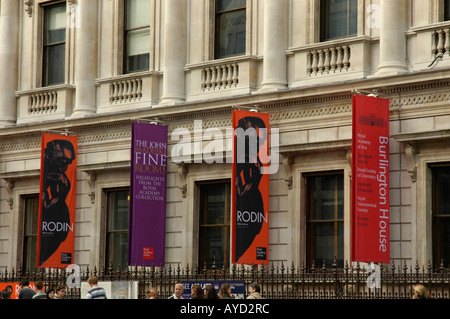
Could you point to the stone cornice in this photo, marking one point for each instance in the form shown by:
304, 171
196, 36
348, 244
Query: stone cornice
415, 89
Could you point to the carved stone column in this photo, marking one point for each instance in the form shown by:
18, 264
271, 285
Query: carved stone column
275, 44
9, 35
85, 23
393, 24
174, 52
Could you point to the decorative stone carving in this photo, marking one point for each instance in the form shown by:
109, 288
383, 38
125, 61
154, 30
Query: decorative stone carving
288, 161
410, 152
91, 182
9, 190
182, 172
349, 159
29, 7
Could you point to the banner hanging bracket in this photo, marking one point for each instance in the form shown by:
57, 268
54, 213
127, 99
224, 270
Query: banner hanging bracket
373, 93
66, 132
154, 121
254, 108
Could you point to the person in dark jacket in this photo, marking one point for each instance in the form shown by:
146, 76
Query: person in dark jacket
25, 291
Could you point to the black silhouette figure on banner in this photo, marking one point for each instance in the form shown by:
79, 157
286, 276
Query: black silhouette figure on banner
55, 218
249, 202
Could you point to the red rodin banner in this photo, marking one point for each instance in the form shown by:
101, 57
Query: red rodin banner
250, 188
57, 201
370, 179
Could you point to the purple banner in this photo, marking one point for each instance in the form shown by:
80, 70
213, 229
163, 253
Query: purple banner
147, 222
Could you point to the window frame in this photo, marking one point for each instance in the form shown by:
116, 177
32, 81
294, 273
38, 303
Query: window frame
203, 226
125, 32
217, 15
44, 67
107, 255
337, 222
29, 263
436, 217
445, 10
323, 19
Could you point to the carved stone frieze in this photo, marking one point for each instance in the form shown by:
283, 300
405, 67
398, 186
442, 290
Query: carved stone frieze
295, 109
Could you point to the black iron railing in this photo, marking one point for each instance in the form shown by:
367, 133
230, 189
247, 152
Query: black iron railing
353, 281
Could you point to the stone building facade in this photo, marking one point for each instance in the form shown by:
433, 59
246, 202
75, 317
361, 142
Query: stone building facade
109, 62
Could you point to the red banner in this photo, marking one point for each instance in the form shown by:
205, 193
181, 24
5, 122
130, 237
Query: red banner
370, 179
10, 290
57, 201
250, 190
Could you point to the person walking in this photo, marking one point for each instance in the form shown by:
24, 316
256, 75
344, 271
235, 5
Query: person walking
39, 289
420, 292
25, 291
178, 291
196, 292
210, 292
60, 292
51, 293
254, 290
7, 292
152, 293
95, 292
225, 291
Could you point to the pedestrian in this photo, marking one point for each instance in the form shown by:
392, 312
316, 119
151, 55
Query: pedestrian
178, 291
210, 292
60, 292
152, 293
196, 292
225, 291
51, 293
254, 290
7, 292
420, 292
95, 292
39, 289
25, 291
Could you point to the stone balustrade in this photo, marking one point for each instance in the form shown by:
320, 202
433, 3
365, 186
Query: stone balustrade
440, 42
125, 90
42, 102
328, 60
51, 103
219, 77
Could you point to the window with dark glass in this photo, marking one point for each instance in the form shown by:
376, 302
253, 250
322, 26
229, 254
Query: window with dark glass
117, 228
137, 35
30, 234
338, 18
214, 230
54, 61
325, 218
441, 214
230, 28
446, 10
